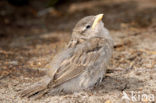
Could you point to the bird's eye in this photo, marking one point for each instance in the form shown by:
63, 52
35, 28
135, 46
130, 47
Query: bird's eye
85, 28
88, 26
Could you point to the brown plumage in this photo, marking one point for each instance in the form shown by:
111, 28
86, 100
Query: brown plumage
81, 64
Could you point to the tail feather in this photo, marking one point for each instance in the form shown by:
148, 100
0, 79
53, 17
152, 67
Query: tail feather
37, 89
40, 94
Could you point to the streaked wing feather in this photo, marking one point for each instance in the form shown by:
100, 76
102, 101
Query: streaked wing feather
68, 75
76, 65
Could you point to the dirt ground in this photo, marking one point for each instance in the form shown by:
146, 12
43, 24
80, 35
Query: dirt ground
29, 39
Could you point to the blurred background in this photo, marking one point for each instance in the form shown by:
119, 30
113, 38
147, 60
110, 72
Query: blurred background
33, 31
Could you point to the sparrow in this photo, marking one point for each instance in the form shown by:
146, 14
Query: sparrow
81, 65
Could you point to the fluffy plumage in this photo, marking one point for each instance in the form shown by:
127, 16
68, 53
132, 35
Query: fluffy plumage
81, 64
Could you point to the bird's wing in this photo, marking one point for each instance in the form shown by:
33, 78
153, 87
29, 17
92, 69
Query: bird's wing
67, 65
85, 54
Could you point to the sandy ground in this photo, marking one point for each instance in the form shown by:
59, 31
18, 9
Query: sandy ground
29, 42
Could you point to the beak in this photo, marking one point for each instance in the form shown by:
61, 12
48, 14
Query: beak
97, 20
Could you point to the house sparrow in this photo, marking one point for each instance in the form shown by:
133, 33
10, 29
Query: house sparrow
81, 65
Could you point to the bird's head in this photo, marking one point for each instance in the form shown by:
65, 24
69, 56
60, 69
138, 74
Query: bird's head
88, 27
